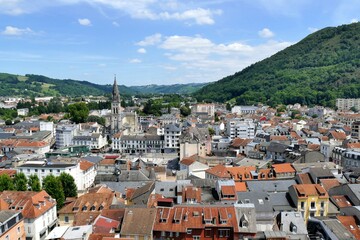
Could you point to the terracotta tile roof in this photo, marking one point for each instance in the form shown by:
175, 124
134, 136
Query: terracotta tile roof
187, 161
3, 205
219, 171
115, 214
111, 156
304, 178
241, 173
306, 190
180, 218
85, 218
32, 204
338, 135
23, 143
313, 147
153, 199
97, 200
100, 236
341, 201
351, 224
85, 165
265, 174
105, 225
117, 135
9, 172
138, 221
353, 145
240, 142
295, 135
329, 183
107, 162
323, 130
240, 186
278, 138
100, 189
283, 168
191, 192
228, 190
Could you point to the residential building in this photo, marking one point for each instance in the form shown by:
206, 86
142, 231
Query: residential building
23, 111
238, 128
205, 222
311, 200
37, 208
355, 130
350, 158
292, 223
172, 135
82, 171
11, 225
65, 134
219, 172
89, 205
138, 223
94, 140
242, 110
193, 167
327, 147
138, 143
347, 103
208, 108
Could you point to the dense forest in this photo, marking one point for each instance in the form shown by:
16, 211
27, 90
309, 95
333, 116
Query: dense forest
323, 66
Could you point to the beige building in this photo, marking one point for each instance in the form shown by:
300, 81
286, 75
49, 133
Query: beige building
347, 103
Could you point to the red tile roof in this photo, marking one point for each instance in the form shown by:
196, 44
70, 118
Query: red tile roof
351, 224
32, 204
306, 190
304, 178
329, 183
240, 142
341, 201
241, 173
219, 171
283, 168
107, 162
240, 186
85, 165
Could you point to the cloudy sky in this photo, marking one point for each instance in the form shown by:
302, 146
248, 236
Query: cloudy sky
155, 41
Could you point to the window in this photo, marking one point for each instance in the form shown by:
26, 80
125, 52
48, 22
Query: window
312, 205
208, 232
163, 234
189, 231
302, 205
18, 229
196, 237
322, 204
66, 219
7, 237
224, 232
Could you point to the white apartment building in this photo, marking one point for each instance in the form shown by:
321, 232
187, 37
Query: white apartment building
327, 147
244, 109
94, 141
208, 108
172, 135
138, 143
350, 159
237, 128
83, 172
65, 135
347, 103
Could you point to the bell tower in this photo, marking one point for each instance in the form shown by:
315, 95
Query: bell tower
115, 124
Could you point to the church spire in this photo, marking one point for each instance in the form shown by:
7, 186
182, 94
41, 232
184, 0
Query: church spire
115, 92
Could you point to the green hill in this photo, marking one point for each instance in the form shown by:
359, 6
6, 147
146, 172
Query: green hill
169, 89
37, 85
318, 69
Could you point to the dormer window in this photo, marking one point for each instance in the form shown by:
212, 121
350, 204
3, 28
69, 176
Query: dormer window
293, 228
92, 208
84, 208
101, 207
244, 222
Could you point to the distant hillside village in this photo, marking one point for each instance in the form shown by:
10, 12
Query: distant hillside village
216, 171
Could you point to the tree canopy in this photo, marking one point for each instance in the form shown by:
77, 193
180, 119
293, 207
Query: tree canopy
68, 184
52, 185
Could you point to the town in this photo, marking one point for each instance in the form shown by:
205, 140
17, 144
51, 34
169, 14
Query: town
196, 171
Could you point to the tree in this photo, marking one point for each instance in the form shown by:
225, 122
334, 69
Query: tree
8, 122
52, 185
79, 112
211, 131
185, 110
354, 109
34, 183
6, 183
99, 120
68, 184
20, 182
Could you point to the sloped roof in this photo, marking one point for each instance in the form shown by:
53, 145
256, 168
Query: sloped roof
219, 170
138, 221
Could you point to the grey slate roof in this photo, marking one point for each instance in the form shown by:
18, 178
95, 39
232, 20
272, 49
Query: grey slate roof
270, 186
167, 189
6, 215
277, 147
287, 219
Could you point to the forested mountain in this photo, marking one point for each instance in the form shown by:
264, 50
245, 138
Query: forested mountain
318, 69
169, 89
37, 85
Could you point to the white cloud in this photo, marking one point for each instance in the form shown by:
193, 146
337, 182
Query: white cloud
116, 24
141, 50
266, 33
354, 20
14, 31
135, 60
150, 40
312, 29
211, 60
141, 9
84, 21
200, 16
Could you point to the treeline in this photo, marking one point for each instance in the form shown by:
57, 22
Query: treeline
317, 70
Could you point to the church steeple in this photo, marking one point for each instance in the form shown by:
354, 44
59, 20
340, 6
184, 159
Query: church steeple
115, 92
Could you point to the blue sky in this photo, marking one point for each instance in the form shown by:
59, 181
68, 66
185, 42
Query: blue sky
155, 41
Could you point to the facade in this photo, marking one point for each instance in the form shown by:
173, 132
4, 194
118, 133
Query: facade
11, 225
138, 143
311, 200
38, 210
115, 117
347, 103
355, 130
172, 135
65, 134
83, 172
94, 141
350, 159
236, 128
208, 108
244, 110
